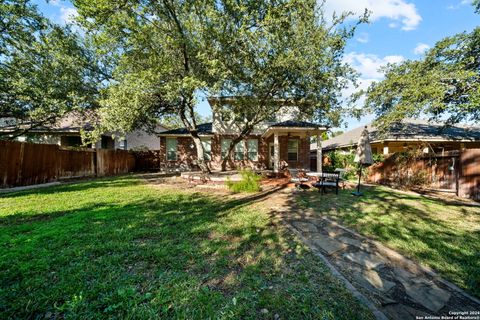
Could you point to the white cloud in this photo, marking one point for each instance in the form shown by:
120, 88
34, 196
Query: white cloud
401, 11
54, 2
67, 15
457, 6
368, 64
363, 37
421, 48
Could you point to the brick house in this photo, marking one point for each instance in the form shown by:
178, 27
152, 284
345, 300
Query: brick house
269, 144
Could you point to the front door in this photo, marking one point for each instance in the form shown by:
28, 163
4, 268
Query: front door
271, 155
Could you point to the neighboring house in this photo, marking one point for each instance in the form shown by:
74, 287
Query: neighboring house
410, 134
269, 144
66, 133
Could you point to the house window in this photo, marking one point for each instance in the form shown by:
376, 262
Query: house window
225, 145
123, 144
107, 142
171, 149
240, 150
207, 149
292, 150
75, 141
252, 147
225, 115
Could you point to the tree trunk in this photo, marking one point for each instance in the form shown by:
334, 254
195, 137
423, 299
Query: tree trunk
231, 147
200, 154
228, 158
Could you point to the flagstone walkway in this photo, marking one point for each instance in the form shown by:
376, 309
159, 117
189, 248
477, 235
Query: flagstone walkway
395, 285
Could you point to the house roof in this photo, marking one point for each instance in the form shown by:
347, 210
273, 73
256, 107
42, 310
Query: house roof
72, 122
407, 130
206, 128
295, 124
203, 129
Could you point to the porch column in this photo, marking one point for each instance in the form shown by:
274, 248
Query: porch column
319, 153
385, 149
276, 153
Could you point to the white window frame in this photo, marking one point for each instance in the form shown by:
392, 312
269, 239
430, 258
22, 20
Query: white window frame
207, 149
290, 151
250, 152
240, 150
176, 149
225, 144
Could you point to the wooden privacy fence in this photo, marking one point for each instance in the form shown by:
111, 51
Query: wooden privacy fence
23, 164
148, 160
457, 171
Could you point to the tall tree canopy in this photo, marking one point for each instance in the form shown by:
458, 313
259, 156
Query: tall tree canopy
282, 55
445, 84
263, 52
46, 70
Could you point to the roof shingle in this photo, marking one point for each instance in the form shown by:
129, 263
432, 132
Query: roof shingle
408, 129
203, 129
296, 124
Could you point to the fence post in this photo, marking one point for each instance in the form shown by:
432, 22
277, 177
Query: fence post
457, 172
20, 165
95, 163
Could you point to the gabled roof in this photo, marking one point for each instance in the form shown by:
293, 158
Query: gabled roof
407, 130
203, 129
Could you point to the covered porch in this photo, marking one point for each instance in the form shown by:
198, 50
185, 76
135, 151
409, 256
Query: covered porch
289, 144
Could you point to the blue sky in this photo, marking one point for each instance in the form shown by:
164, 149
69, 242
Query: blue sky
399, 29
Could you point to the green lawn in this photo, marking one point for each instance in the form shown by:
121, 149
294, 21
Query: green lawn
444, 236
117, 248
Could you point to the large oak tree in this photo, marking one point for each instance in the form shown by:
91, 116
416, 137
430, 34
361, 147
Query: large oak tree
168, 51
46, 70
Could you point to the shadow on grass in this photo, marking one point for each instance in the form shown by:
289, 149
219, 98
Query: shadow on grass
424, 229
159, 254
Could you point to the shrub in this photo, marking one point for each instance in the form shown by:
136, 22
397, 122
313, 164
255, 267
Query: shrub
346, 161
338, 159
250, 182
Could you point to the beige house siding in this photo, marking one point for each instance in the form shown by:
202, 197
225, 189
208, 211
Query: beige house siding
137, 139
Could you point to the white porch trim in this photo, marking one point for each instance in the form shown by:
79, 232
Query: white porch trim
276, 153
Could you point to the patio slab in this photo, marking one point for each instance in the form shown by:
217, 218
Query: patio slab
330, 246
422, 291
365, 259
373, 278
305, 226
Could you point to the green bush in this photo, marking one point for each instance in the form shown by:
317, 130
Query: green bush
346, 161
250, 182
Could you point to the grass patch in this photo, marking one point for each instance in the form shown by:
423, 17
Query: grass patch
444, 236
250, 182
116, 248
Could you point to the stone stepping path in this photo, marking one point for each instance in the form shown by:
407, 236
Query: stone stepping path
398, 287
